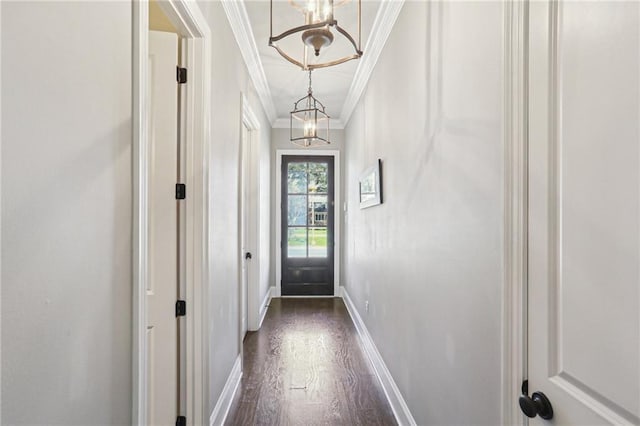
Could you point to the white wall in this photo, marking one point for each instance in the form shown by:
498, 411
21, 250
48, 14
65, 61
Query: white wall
230, 80
280, 140
66, 212
429, 260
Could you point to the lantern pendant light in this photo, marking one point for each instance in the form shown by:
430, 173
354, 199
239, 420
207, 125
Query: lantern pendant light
318, 32
309, 122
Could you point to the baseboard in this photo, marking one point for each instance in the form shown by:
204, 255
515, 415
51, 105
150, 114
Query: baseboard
397, 402
221, 410
265, 306
275, 292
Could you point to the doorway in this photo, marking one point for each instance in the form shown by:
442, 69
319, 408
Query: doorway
193, 128
307, 225
245, 232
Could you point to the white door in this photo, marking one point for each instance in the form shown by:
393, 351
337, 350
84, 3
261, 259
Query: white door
584, 210
245, 212
162, 326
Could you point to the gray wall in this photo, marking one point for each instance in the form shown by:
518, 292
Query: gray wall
280, 140
429, 260
66, 213
230, 80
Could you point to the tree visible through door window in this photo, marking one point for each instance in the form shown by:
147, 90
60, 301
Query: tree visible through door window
307, 220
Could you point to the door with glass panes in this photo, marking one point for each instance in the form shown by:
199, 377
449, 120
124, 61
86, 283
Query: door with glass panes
307, 225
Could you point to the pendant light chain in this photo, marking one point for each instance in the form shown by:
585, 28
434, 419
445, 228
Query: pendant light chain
310, 89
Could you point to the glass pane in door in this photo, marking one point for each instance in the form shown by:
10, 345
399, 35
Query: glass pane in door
297, 242
317, 242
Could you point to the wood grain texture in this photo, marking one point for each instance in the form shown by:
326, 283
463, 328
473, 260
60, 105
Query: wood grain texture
306, 367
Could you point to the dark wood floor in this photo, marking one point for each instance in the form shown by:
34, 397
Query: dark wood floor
306, 367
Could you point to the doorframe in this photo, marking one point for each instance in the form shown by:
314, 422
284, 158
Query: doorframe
191, 24
337, 212
516, 143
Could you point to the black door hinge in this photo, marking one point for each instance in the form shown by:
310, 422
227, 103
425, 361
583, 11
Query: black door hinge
181, 191
181, 421
181, 75
181, 308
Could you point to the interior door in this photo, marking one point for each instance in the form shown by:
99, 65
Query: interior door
584, 211
162, 290
245, 212
307, 225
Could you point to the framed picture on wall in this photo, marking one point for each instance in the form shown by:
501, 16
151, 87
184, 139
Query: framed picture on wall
371, 186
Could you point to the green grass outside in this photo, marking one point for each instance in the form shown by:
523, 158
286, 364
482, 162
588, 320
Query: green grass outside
317, 237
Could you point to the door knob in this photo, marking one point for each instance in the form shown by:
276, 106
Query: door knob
535, 405
247, 255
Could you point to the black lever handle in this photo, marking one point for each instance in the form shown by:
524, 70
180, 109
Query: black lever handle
247, 255
535, 405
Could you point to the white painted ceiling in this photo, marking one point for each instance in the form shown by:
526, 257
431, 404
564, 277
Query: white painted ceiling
287, 83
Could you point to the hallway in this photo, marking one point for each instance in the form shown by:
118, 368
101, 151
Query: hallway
306, 366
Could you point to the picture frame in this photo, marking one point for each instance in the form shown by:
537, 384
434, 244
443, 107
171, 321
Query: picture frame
370, 186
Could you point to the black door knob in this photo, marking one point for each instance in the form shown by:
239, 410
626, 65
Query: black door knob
535, 405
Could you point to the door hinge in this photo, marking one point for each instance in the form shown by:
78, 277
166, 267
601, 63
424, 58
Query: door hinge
181, 191
181, 308
181, 421
181, 75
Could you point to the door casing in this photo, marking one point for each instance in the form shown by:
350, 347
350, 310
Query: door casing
195, 130
338, 215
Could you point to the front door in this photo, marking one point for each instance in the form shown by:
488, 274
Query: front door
584, 211
307, 225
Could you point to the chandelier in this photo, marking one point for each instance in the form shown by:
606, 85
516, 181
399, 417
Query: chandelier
309, 122
319, 31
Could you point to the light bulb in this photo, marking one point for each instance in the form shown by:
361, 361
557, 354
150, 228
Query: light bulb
309, 129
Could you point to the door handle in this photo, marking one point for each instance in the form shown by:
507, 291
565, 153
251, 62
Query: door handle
535, 405
247, 255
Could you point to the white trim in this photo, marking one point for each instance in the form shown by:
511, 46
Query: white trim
515, 136
264, 307
396, 401
221, 410
1, 213
285, 123
337, 212
192, 25
249, 118
241, 27
382, 26
140, 15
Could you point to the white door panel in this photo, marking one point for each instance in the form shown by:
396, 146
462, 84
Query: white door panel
584, 210
162, 366
245, 192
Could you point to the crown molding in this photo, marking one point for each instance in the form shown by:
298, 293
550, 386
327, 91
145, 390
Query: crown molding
284, 123
382, 26
241, 27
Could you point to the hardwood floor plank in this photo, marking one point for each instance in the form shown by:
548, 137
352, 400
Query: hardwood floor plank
306, 366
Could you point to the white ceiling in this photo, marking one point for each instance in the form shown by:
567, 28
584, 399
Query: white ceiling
287, 82
280, 83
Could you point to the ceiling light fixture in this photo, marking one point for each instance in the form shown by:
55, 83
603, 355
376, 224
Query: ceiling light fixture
309, 122
319, 19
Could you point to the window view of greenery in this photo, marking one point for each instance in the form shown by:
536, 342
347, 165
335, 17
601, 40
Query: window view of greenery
307, 209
